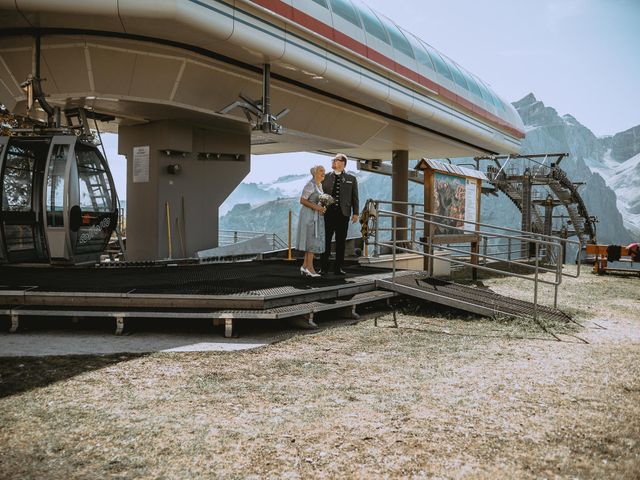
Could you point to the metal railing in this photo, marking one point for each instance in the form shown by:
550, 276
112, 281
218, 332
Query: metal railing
543, 246
229, 237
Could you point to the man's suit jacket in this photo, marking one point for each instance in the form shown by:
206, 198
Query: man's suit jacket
349, 202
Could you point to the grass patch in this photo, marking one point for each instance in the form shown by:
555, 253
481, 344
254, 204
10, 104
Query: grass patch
445, 395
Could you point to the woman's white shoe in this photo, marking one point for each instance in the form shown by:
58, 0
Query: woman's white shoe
307, 273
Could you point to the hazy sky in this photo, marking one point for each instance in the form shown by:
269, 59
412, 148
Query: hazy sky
579, 56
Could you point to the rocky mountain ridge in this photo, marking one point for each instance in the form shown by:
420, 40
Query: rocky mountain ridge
598, 162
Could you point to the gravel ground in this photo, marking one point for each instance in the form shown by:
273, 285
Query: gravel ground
443, 396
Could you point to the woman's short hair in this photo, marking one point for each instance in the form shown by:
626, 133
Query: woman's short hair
315, 168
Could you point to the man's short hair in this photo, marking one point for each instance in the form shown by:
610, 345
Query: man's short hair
342, 158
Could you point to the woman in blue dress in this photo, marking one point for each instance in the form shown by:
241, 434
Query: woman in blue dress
311, 223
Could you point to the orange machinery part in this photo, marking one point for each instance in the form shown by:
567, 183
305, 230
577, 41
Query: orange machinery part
600, 251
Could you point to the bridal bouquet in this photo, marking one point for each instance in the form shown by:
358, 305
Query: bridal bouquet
325, 200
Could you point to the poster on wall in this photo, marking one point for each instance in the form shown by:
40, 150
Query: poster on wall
471, 204
141, 164
449, 201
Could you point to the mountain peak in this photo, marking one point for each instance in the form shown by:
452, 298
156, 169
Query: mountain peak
626, 144
527, 100
534, 112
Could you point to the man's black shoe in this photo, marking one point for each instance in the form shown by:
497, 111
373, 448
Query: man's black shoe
340, 272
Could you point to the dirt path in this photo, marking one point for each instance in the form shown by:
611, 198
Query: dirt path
443, 396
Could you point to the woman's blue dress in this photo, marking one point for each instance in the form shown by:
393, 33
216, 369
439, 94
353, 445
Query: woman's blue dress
311, 223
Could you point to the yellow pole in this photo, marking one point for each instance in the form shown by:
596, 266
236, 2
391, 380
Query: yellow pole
166, 206
290, 257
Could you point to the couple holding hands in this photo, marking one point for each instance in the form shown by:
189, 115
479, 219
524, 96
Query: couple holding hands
329, 202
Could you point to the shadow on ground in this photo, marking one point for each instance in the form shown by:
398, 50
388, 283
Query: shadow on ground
21, 374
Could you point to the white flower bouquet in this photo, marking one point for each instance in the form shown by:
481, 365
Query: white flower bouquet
326, 200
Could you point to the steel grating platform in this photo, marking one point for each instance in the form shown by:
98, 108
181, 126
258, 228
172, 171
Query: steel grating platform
248, 286
471, 299
307, 310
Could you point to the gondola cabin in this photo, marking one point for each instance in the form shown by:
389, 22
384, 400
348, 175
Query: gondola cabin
58, 200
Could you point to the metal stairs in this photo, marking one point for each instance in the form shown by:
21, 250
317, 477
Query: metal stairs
565, 191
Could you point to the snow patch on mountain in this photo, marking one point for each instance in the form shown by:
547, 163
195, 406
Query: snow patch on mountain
625, 181
288, 186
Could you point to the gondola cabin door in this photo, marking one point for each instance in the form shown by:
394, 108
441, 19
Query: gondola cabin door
22, 163
3, 147
60, 195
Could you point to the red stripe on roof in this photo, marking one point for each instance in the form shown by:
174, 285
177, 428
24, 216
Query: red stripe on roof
350, 43
315, 25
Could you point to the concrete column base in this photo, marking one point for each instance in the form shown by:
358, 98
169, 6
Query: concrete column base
189, 169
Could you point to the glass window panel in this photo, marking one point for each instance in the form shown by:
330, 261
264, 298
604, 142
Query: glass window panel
483, 90
421, 54
17, 190
346, 10
55, 185
93, 239
457, 76
373, 25
95, 188
441, 67
473, 86
322, 3
495, 99
398, 40
19, 237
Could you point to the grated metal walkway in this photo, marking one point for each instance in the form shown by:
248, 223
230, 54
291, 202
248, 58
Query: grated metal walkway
268, 290
250, 285
463, 297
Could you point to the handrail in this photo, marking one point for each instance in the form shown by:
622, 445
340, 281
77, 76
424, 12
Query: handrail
234, 236
522, 235
542, 242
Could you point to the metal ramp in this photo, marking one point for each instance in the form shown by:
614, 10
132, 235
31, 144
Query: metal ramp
467, 298
545, 268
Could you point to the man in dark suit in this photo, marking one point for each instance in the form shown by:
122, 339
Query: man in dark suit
343, 187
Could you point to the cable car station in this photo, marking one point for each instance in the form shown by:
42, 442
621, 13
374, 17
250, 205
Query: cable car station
194, 89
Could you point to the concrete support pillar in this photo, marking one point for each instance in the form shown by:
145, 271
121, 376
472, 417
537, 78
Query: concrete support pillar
400, 188
191, 169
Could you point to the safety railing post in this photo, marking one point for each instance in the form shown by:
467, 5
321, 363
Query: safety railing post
289, 255
413, 226
558, 274
509, 250
394, 233
535, 285
485, 246
430, 252
376, 251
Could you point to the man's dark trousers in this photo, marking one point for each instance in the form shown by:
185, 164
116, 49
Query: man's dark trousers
334, 222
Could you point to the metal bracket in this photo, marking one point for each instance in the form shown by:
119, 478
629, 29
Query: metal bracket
309, 318
350, 312
228, 327
14, 323
119, 325
260, 109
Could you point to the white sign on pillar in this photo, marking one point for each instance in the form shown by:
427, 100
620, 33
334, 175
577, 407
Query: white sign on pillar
141, 164
470, 207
